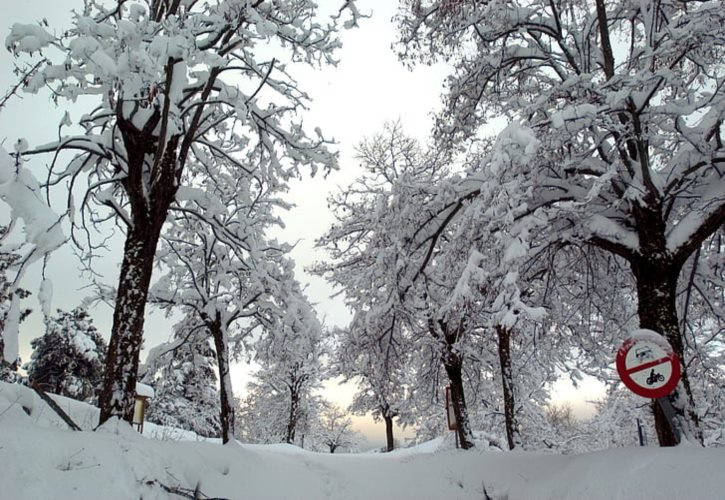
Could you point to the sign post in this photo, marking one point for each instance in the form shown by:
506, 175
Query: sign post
451, 414
650, 368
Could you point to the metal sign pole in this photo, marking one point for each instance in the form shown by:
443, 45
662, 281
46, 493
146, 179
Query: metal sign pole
670, 414
640, 433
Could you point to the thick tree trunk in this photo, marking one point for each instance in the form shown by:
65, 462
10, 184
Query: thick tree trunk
656, 290
119, 386
509, 401
149, 204
226, 395
454, 369
390, 442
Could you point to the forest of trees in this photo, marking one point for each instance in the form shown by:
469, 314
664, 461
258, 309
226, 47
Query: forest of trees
490, 259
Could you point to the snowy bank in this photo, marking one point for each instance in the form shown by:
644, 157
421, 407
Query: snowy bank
41, 458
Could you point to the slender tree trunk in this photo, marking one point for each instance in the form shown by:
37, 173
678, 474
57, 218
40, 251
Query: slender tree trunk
226, 395
656, 289
389, 432
292, 419
454, 369
119, 386
509, 401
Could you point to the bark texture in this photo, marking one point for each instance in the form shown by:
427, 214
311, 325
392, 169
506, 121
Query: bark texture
226, 395
119, 387
389, 440
656, 289
149, 203
454, 369
509, 399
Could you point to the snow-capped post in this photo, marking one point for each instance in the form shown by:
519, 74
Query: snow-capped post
649, 367
451, 414
143, 394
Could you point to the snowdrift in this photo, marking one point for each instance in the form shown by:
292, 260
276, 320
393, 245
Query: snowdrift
41, 458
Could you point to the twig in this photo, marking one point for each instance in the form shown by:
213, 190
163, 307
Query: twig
194, 494
23, 80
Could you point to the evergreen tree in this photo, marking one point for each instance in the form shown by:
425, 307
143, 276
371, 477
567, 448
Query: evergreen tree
69, 358
183, 376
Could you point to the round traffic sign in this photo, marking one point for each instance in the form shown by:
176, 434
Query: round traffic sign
647, 364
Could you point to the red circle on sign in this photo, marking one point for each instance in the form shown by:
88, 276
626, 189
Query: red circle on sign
625, 372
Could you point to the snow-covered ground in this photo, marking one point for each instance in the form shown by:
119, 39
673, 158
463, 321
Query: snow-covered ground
40, 458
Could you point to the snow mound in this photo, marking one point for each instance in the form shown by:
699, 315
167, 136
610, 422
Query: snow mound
42, 458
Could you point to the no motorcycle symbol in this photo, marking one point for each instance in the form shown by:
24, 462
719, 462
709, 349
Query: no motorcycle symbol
647, 365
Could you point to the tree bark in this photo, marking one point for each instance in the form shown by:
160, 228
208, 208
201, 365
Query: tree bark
149, 203
509, 401
119, 386
454, 369
390, 442
226, 395
656, 289
292, 419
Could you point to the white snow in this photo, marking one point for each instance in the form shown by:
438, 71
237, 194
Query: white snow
144, 390
645, 335
10, 330
41, 458
20, 190
45, 296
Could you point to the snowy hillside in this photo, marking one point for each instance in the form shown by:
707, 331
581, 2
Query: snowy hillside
42, 459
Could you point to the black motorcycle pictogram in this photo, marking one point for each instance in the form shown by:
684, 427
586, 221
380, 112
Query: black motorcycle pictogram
655, 377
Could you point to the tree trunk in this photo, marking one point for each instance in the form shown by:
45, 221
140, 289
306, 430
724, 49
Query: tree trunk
226, 395
656, 289
454, 369
292, 419
149, 204
389, 432
119, 385
509, 401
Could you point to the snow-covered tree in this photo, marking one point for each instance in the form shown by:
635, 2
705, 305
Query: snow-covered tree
376, 217
291, 359
261, 416
616, 137
334, 429
41, 234
229, 280
182, 373
382, 388
68, 359
181, 88
9, 296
